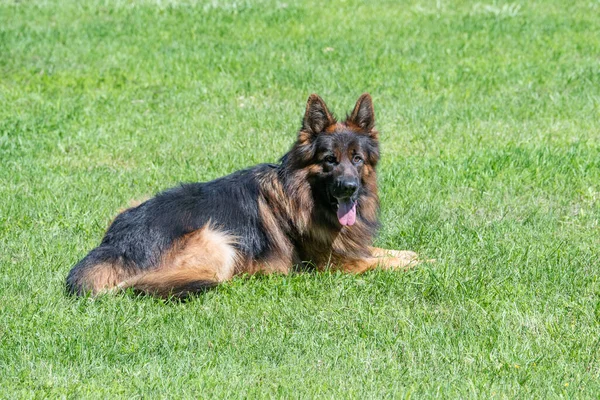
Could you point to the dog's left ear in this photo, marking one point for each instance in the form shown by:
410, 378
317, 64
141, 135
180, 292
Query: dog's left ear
363, 115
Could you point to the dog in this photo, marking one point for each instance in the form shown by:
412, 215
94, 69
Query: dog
317, 209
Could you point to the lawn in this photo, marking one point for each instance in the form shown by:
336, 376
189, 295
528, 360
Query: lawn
489, 114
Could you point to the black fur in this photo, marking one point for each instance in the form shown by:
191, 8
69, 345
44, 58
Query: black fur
140, 235
338, 168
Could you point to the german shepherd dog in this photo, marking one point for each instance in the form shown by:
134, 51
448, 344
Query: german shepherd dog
317, 208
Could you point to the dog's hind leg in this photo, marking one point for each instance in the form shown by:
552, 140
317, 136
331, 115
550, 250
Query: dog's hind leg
101, 270
198, 261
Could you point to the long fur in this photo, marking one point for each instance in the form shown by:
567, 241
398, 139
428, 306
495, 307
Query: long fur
267, 218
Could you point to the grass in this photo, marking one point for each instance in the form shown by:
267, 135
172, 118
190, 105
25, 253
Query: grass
489, 113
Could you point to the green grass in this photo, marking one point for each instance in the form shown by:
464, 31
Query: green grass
490, 127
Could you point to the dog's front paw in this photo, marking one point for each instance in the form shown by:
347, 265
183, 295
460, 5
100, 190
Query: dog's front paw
402, 259
403, 254
397, 259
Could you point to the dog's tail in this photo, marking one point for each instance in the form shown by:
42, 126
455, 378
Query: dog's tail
101, 270
196, 262
180, 282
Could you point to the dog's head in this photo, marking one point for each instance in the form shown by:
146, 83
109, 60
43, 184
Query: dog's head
339, 157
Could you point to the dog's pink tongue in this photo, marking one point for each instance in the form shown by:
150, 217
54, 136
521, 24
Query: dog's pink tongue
346, 213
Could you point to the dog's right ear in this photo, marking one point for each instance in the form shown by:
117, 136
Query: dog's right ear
317, 117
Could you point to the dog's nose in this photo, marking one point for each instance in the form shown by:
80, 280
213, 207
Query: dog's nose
349, 187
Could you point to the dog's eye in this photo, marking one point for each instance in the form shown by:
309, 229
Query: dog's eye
357, 159
330, 159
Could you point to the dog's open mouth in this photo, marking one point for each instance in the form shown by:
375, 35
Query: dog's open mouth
346, 211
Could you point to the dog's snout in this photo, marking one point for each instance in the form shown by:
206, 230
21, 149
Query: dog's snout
347, 187
350, 186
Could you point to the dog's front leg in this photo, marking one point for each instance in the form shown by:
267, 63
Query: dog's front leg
385, 253
382, 258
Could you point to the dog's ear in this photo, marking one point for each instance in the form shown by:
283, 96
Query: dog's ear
363, 115
317, 117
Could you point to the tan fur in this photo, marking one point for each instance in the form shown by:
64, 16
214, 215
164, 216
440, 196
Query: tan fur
338, 126
104, 276
294, 203
206, 255
297, 228
281, 264
347, 249
304, 137
381, 258
395, 259
319, 243
205, 247
280, 259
